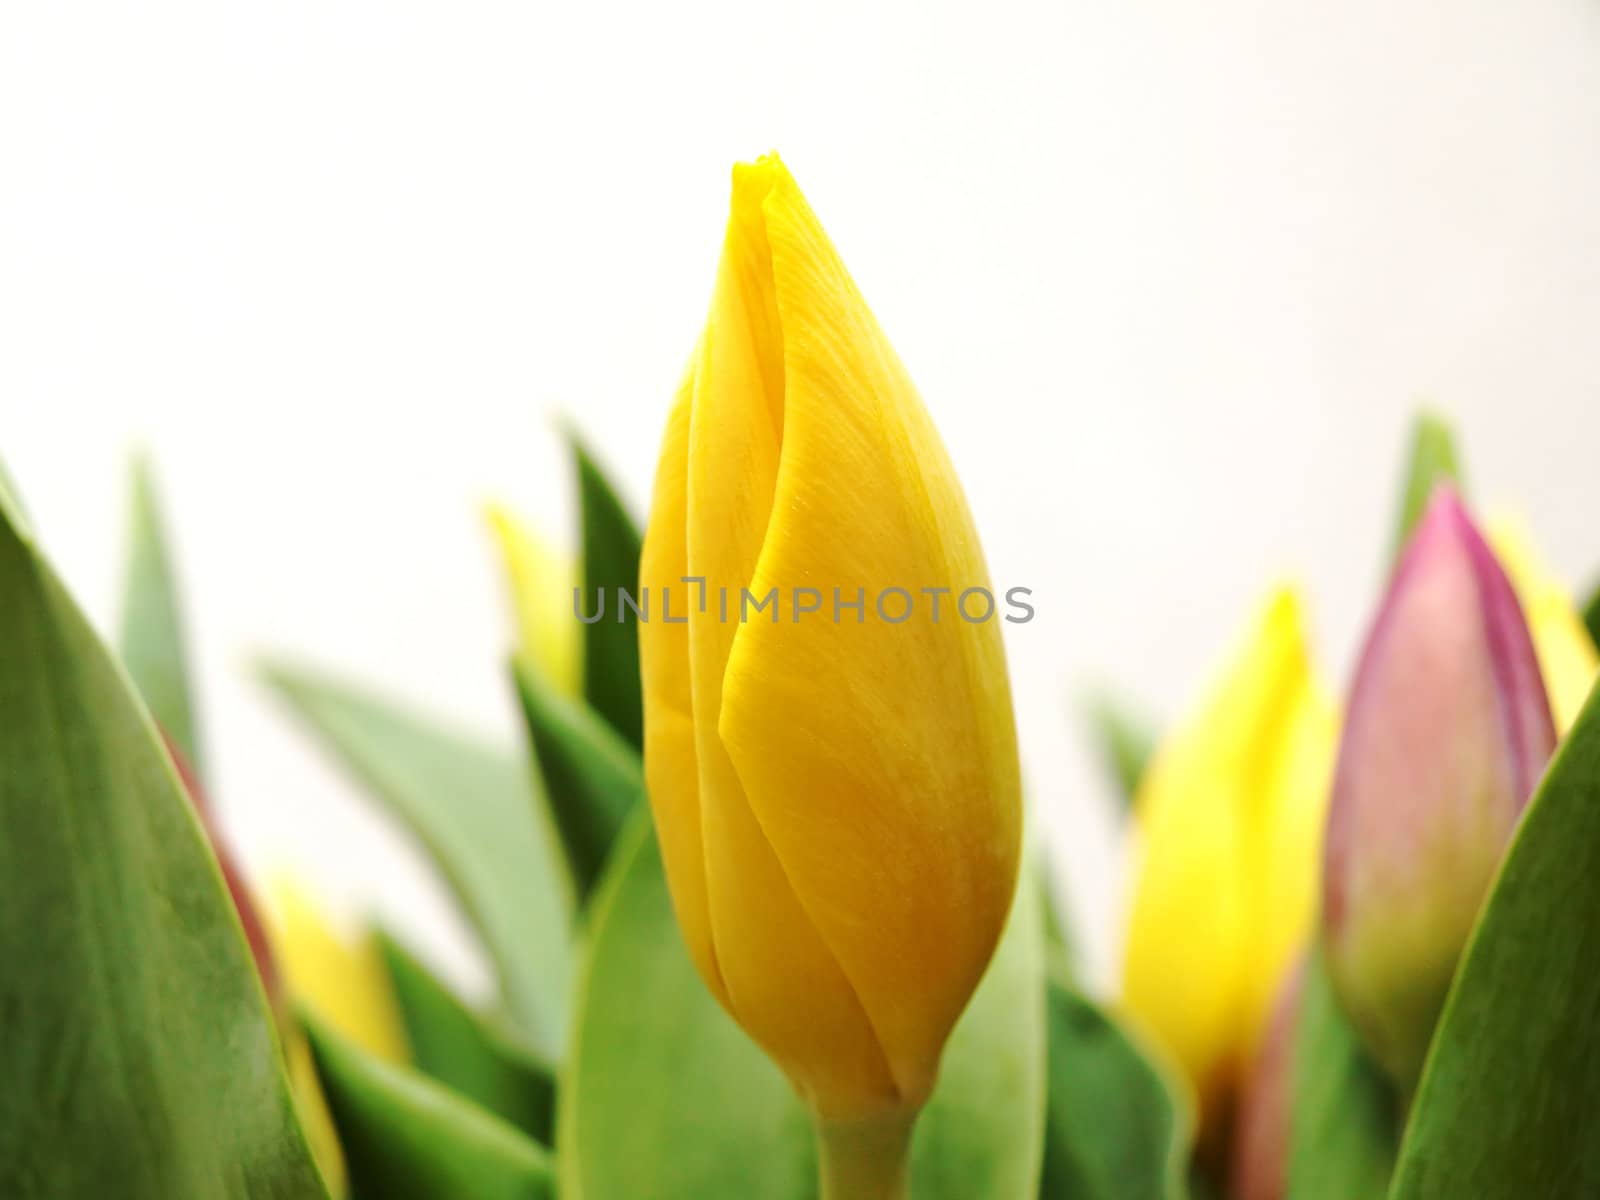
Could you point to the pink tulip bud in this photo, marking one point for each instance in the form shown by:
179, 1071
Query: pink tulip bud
1263, 1127
1446, 736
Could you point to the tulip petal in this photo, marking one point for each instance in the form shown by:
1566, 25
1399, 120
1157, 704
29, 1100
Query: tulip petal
670, 761
866, 498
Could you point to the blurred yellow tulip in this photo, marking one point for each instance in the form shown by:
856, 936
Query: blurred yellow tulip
1566, 652
342, 979
1229, 822
836, 791
540, 580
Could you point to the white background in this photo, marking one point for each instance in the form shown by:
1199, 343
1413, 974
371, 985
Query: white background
1171, 277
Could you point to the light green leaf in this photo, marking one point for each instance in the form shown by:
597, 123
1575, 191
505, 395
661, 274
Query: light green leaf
405, 1137
468, 1052
663, 1096
1060, 947
152, 641
1115, 1129
611, 545
1345, 1113
473, 809
1125, 743
592, 778
1510, 1099
1432, 461
139, 1060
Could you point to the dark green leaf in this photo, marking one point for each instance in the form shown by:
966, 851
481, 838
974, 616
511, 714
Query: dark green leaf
469, 1052
152, 642
1432, 461
664, 1097
407, 1138
611, 545
1125, 743
1345, 1120
1114, 1130
592, 778
139, 1060
1510, 1099
474, 810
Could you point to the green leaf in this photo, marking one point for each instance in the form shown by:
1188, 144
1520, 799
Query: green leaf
139, 1058
1591, 616
1115, 1128
1060, 948
1510, 1097
592, 778
473, 809
1345, 1113
1432, 461
152, 641
1125, 743
611, 545
663, 1096
407, 1138
468, 1052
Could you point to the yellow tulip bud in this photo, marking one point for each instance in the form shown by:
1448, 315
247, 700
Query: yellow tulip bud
835, 788
1229, 828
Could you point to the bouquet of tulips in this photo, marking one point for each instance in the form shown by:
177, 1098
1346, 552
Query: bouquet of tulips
763, 919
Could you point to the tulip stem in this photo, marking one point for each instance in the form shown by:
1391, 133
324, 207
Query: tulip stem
867, 1158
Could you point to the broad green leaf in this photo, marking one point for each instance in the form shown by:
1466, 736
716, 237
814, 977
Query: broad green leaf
1115, 1129
152, 641
139, 1060
611, 544
469, 1052
1125, 743
1432, 461
1345, 1113
663, 1096
1510, 1099
592, 778
1591, 616
405, 1137
474, 810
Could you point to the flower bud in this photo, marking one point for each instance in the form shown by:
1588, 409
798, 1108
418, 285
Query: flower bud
835, 787
1447, 733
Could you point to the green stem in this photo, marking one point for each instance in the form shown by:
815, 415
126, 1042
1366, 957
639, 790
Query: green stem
866, 1159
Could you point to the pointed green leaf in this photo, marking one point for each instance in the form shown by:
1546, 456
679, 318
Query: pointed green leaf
1060, 948
1432, 461
592, 778
407, 1138
1510, 1098
1345, 1114
468, 1052
611, 545
139, 1060
1125, 742
152, 641
663, 1096
1115, 1129
473, 809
